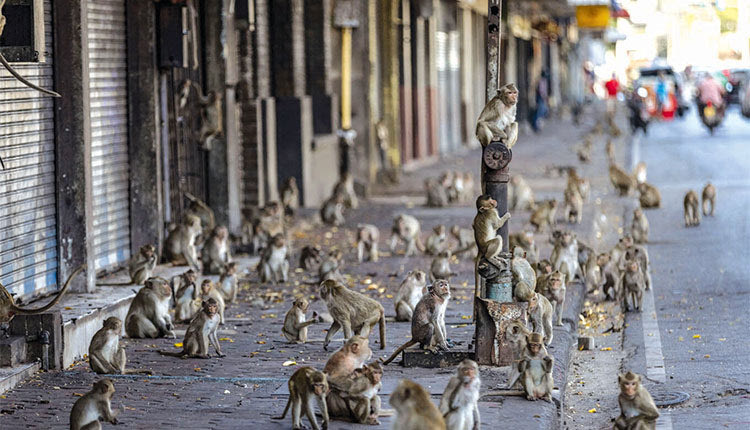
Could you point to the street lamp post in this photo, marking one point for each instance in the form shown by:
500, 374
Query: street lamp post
346, 18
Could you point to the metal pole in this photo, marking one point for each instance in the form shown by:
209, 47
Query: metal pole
346, 73
346, 17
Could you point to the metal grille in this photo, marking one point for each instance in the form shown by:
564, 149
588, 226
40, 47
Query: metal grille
28, 233
109, 130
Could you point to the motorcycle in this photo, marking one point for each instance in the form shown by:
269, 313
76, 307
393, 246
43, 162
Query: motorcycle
711, 116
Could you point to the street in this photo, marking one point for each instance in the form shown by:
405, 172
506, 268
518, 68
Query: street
701, 282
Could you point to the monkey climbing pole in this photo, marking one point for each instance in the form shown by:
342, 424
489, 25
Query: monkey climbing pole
492, 317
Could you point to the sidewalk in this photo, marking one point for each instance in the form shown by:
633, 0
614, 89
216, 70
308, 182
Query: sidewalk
247, 387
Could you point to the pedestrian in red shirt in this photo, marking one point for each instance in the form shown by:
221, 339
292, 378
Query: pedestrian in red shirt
612, 86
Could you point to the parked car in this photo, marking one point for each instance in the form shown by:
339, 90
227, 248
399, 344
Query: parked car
675, 102
736, 78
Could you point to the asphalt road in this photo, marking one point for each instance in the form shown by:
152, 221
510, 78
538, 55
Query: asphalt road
701, 275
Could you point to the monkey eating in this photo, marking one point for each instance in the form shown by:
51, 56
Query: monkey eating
414, 409
408, 294
497, 121
94, 406
351, 356
295, 322
459, 401
709, 199
355, 397
637, 408
200, 332
9, 309
179, 248
692, 213
148, 315
367, 240
306, 384
353, 312
406, 228
105, 353
536, 369
215, 253
428, 321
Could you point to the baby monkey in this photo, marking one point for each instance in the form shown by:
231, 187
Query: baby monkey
295, 322
94, 406
200, 332
355, 397
306, 384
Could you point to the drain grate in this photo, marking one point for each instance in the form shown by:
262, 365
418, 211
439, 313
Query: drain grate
669, 398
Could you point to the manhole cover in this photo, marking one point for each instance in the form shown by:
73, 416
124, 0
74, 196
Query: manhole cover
669, 398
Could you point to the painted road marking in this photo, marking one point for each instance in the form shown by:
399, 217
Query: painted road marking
655, 369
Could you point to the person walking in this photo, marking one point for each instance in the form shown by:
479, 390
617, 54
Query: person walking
613, 87
542, 100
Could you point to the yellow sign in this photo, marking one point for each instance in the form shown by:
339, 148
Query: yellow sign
592, 16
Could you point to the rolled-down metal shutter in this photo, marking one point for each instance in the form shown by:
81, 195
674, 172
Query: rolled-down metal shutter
109, 130
28, 232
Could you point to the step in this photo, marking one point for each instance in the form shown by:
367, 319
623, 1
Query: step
12, 351
11, 376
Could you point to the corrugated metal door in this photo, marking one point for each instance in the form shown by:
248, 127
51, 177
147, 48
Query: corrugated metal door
28, 233
109, 130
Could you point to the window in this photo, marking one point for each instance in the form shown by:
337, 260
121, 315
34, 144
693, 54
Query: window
22, 39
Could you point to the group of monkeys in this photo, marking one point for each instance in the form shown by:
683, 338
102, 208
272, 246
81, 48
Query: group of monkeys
450, 187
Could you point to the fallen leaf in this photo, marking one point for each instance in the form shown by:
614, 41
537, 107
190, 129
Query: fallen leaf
389, 296
227, 392
465, 317
722, 339
226, 339
78, 394
289, 363
606, 349
696, 336
592, 410
260, 342
178, 345
68, 308
707, 356
197, 369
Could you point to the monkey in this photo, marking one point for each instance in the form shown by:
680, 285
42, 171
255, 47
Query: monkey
200, 209
573, 205
148, 315
310, 257
290, 196
543, 267
274, 263
584, 151
332, 211
352, 311
637, 408
649, 196
408, 294
105, 353
639, 172
228, 283
351, 356
516, 334
355, 397
584, 251
269, 224
522, 270
215, 253
618, 251
467, 194
209, 291
94, 406
611, 282
436, 242
305, 384
459, 401
624, 184
142, 264
544, 215
633, 285
465, 238
639, 228
345, 188
610, 150
486, 223
330, 268
295, 323
437, 195
13, 71
179, 248
565, 255
692, 213
186, 296
522, 197
200, 332
536, 369
367, 240
406, 228
639, 254
540, 314
555, 293
593, 272
414, 409
453, 182
212, 116
428, 320
441, 267
497, 121
9, 309
709, 196
525, 241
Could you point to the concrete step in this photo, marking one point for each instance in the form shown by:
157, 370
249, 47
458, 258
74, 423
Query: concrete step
11, 376
12, 351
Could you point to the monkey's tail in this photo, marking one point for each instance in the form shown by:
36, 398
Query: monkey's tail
21, 311
398, 351
286, 408
115, 284
172, 353
418, 242
24, 81
381, 323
